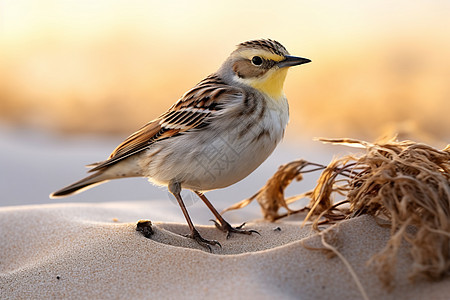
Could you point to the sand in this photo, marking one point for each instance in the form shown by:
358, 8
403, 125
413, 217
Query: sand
93, 251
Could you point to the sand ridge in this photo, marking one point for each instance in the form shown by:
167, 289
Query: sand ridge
81, 251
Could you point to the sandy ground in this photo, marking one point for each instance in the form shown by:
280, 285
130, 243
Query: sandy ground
93, 251
55, 249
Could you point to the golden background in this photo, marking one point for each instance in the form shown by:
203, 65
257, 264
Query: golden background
108, 67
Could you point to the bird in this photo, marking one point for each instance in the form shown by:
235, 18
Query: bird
215, 135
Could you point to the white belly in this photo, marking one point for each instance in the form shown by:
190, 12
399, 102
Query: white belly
205, 161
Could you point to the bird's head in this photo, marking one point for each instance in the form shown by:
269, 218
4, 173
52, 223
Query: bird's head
261, 64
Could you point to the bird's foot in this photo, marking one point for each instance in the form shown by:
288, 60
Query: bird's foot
195, 235
226, 227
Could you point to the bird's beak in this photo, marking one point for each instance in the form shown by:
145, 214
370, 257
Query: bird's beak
290, 61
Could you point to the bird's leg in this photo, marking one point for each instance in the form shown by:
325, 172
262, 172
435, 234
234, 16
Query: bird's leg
175, 189
221, 223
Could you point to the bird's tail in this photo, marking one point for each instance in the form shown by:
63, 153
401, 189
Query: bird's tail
81, 185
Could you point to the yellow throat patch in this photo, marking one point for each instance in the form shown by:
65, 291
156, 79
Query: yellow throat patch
271, 83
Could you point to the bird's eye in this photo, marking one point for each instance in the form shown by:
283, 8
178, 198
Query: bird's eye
257, 61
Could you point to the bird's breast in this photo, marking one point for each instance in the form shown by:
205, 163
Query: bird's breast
229, 150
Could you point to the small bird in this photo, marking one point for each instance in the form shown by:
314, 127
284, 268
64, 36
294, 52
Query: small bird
214, 136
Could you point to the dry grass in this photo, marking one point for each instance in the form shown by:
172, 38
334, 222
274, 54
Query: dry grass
404, 184
407, 184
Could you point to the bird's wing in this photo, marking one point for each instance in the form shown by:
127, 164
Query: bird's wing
192, 111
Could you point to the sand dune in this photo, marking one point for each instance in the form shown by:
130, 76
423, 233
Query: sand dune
82, 251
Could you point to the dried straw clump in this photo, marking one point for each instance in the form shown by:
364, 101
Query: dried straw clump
405, 183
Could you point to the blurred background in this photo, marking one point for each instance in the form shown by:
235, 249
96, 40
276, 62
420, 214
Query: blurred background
77, 77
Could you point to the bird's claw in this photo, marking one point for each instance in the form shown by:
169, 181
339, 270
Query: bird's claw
226, 227
195, 235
